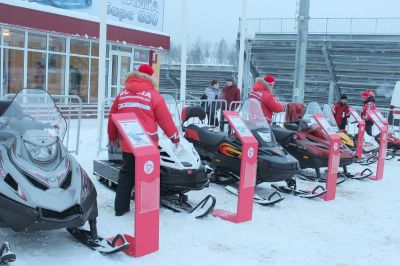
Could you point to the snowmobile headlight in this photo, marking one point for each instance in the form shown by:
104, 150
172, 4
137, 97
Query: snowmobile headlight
42, 153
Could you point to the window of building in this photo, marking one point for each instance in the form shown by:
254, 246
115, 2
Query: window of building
37, 41
56, 74
79, 47
14, 38
37, 70
13, 70
79, 77
94, 78
122, 48
57, 44
141, 55
95, 49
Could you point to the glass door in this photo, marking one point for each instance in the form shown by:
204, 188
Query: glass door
121, 65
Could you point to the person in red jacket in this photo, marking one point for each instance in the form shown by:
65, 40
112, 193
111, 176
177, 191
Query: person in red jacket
230, 93
262, 91
140, 97
368, 104
341, 112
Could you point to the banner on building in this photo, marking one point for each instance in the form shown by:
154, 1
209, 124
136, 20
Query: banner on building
146, 14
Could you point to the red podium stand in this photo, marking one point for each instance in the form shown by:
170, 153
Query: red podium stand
147, 185
361, 132
382, 125
334, 157
248, 171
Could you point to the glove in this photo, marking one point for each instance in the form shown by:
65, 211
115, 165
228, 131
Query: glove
112, 146
178, 149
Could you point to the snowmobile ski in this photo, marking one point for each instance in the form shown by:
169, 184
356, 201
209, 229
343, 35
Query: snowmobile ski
321, 179
370, 159
6, 255
357, 176
291, 188
179, 203
99, 244
272, 199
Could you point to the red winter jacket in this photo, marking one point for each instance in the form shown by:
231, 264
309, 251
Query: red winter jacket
269, 104
368, 104
340, 111
141, 97
230, 94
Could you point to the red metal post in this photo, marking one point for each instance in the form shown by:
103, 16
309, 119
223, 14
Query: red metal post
334, 157
361, 132
377, 118
248, 171
147, 185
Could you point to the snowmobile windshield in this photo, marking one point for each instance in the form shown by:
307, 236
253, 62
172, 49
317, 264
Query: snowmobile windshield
308, 120
173, 110
33, 115
327, 110
255, 120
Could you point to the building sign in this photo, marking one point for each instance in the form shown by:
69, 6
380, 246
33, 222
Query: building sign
146, 14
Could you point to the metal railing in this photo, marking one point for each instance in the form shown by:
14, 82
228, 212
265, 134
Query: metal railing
326, 25
66, 101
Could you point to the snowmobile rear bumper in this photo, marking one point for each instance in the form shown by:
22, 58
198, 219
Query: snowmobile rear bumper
19, 217
275, 169
193, 179
172, 180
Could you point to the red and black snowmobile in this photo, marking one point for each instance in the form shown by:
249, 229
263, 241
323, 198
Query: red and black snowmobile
308, 143
222, 151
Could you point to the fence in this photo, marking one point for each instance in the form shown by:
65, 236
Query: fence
71, 109
326, 25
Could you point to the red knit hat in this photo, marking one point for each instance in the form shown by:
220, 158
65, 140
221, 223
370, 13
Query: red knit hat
365, 95
269, 79
146, 69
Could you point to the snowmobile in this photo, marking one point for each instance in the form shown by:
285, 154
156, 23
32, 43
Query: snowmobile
6, 255
180, 172
42, 187
307, 142
344, 137
393, 145
222, 151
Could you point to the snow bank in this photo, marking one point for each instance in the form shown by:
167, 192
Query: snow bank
360, 227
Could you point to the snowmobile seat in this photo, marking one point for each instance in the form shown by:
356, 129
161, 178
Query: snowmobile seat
282, 135
293, 126
193, 112
207, 134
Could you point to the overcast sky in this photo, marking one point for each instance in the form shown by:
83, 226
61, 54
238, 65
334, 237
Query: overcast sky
214, 19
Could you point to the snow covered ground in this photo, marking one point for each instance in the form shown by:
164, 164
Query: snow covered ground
360, 227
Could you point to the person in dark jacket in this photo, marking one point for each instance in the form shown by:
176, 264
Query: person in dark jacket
341, 112
230, 93
141, 97
211, 94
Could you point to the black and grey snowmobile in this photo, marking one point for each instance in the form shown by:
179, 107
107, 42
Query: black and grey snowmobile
42, 187
66, 4
180, 172
222, 152
6, 255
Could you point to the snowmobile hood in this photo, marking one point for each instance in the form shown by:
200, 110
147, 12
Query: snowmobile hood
137, 82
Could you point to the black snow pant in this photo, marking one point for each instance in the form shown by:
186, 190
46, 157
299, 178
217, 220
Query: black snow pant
368, 127
126, 182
